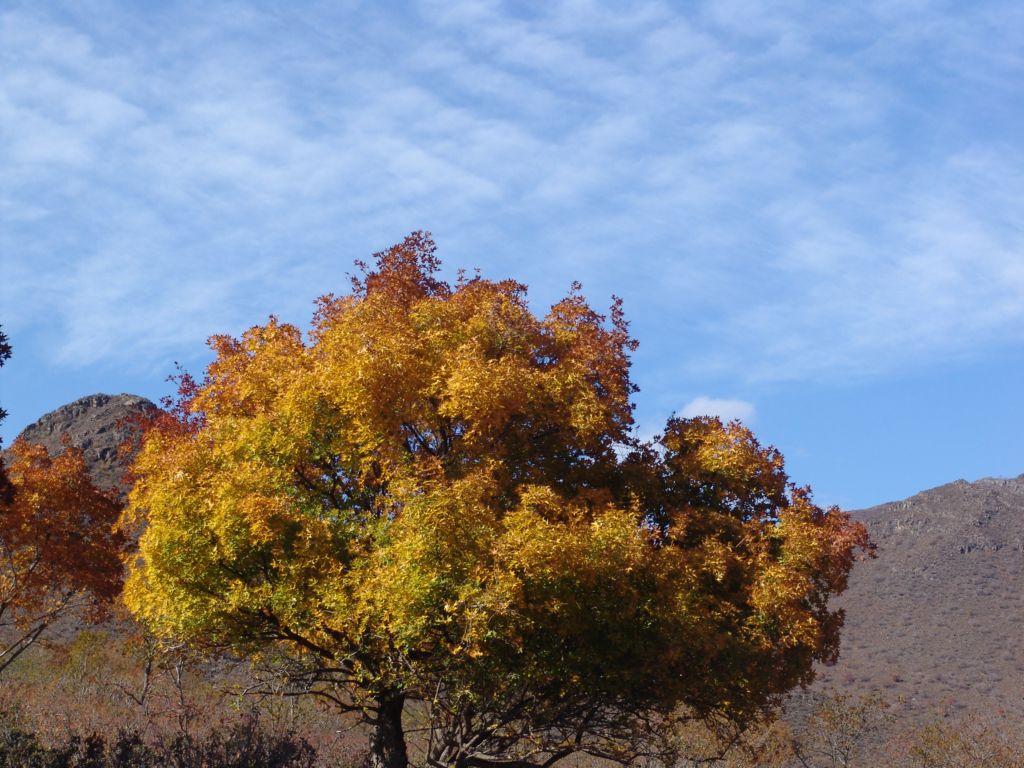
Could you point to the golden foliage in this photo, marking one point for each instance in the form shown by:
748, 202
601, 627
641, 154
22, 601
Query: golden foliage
437, 490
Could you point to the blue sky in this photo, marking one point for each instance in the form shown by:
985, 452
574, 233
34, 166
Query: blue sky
813, 211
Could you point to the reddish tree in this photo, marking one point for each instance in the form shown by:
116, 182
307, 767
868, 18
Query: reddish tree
59, 553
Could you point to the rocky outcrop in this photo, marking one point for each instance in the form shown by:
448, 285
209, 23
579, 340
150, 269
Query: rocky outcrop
98, 424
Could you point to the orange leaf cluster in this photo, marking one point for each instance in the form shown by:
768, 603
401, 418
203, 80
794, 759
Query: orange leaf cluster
57, 543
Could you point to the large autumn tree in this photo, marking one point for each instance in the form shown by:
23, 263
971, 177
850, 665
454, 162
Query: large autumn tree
432, 506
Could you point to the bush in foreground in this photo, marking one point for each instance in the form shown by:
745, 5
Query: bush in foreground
241, 746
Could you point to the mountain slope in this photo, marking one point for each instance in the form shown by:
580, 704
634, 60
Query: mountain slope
937, 618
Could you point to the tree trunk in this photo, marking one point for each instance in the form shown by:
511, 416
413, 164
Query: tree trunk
387, 741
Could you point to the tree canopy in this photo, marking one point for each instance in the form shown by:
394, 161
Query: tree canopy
58, 550
435, 496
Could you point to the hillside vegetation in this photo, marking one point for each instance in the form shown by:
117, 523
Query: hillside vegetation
936, 619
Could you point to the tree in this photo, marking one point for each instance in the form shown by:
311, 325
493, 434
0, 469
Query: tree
435, 497
993, 741
5, 355
58, 551
5, 484
841, 731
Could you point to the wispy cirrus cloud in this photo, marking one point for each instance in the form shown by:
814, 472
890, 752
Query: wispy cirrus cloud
786, 192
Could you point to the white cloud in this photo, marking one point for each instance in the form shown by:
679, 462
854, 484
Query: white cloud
727, 410
747, 180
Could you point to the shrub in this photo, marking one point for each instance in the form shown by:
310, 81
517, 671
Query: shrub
244, 745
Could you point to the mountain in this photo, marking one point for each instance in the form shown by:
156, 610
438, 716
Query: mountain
937, 617
98, 424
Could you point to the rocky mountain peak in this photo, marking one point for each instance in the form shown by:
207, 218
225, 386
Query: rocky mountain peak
97, 424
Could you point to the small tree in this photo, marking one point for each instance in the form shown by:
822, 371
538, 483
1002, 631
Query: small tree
5, 355
436, 497
841, 731
5, 484
993, 742
58, 552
